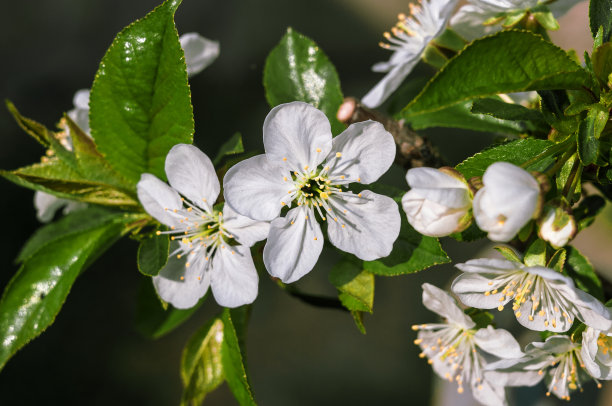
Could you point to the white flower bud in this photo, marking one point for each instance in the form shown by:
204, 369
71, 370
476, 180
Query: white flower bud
557, 227
439, 201
507, 201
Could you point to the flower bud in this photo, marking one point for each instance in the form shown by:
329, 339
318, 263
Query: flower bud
557, 227
439, 201
508, 199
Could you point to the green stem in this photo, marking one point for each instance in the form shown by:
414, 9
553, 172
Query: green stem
313, 300
572, 180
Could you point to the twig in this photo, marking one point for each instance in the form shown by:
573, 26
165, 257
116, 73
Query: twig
413, 150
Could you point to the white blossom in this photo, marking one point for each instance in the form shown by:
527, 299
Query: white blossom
542, 298
409, 38
208, 247
459, 352
199, 53
469, 20
509, 198
558, 360
303, 165
597, 352
557, 227
439, 201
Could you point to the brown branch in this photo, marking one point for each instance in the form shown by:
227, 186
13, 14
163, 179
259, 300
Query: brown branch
413, 150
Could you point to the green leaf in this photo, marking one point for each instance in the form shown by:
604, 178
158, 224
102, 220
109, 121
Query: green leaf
528, 63
508, 253
230, 147
587, 210
72, 224
412, 252
600, 15
557, 261
36, 293
536, 254
297, 69
153, 254
516, 152
154, 318
507, 111
461, 115
602, 62
356, 286
563, 177
233, 362
38, 131
140, 100
582, 272
201, 366
589, 133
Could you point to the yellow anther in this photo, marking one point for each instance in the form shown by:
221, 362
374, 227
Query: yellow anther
315, 238
284, 159
292, 222
285, 178
306, 167
338, 154
182, 278
158, 232
518, 314
282, 203
500, 307
189, 209
178, 256
343, 226
318, 149
187, 265
358, 179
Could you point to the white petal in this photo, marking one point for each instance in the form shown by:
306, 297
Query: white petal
81, 99
516, 377
233, 276
440, 302
470, 289
192, 174
367, 149
181, 293
371, 224
292, 250
489, 394
392, 80
158, 199
256, 189
296, 135
244, 230
589, 353
498, 342
200, 52
46, 205
429, 178
489, 265
469, 22
557, 344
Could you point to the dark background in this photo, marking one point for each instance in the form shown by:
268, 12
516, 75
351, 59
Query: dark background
297, 354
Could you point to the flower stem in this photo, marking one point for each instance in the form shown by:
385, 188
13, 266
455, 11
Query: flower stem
313, 300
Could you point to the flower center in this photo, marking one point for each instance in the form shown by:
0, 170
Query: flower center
565, 375
604, 342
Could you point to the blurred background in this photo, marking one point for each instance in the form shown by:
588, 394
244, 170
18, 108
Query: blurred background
297, 354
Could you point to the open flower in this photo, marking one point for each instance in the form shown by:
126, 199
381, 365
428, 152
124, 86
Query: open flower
209, 247
458, 351
542, 298
411, 35
558, 359
439, 201
199, 53
509, 198
557, 227
597, 352
470, 20
303, 165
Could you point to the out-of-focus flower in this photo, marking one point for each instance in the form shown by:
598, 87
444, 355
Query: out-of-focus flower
557, 227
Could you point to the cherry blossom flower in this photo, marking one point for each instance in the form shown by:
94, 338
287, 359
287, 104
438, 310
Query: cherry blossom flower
408, 39
209, 246
557, 227
597, 352
509, 198
542, 298
439, 201
304, 166
460, 352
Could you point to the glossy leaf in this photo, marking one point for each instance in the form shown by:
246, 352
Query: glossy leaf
507, 111
461, 115
355, 285
582, 272
297, 69
140, 100
563, 177
557, 261
508, 253
201, 366
602, 62
153, 254
589, 133
233, 361
527, 63
536, 254
230, 147
38, 131
515, 152
600, 15
36, 293
155, 319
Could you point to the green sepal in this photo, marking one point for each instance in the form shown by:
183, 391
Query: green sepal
153, 254
546, 19
557, 261
449, 39
536, 254
434, 57
509, 253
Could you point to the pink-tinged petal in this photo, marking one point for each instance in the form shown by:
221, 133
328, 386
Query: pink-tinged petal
296, 136
234, 278
366, 151
256, 189
365, 226
294, 245
158, 199
192, 174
